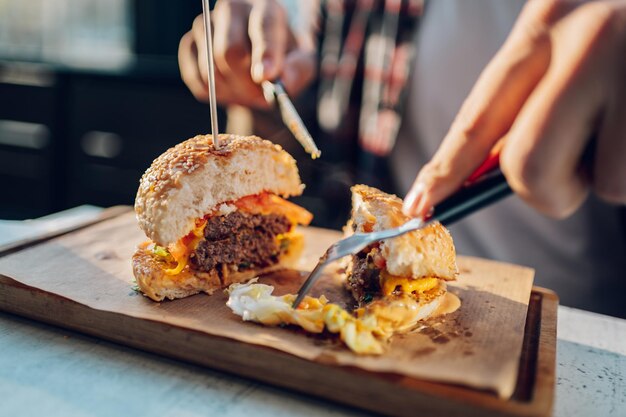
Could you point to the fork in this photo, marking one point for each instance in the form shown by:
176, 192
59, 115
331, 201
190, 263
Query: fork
490, 188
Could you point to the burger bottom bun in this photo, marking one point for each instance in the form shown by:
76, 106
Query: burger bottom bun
157, 285
399, 314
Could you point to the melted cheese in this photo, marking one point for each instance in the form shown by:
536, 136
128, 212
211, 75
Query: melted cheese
181, 264
182, 249
366, 331
255, 302
389, 283
285, 238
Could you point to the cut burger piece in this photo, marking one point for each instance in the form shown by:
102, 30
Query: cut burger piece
215, 217
406, 275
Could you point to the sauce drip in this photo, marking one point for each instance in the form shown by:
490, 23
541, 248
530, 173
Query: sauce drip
449, 304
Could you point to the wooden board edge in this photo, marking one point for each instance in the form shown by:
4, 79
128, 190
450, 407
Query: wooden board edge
545, 385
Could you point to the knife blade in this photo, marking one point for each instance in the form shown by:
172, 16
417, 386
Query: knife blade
275, 92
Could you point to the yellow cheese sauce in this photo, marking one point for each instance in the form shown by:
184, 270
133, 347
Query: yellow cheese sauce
449, 304
389, 283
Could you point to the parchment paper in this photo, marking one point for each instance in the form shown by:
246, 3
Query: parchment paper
478, 346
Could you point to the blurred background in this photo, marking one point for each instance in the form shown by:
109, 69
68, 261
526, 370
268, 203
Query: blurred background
91, 94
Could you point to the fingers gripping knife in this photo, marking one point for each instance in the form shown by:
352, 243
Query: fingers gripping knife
489, 189
273, 91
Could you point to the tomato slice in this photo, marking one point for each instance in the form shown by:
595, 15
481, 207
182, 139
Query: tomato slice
266, 203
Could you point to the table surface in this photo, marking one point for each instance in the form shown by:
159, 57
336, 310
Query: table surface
49, 371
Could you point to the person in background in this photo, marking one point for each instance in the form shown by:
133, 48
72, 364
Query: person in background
551, 94
252, 42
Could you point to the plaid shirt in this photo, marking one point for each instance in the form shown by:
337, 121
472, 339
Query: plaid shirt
379, 35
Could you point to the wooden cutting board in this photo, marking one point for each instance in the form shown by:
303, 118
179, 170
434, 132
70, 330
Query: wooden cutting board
60, 299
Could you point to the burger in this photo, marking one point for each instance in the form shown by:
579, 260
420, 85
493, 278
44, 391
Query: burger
215, 217
400, 280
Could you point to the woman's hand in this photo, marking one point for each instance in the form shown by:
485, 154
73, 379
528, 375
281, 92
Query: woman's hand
557, 82
252, 43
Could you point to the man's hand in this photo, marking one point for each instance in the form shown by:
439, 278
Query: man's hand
252, 43
557, 82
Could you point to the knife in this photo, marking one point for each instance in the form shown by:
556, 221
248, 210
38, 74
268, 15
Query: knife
275, 92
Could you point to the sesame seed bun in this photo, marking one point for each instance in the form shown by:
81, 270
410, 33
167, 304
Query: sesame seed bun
428, 252
193, 178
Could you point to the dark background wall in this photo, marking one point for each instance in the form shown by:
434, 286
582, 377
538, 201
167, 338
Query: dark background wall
76, 134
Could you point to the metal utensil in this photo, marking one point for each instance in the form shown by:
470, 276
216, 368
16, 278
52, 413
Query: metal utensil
206, 11
466, 201
275, 92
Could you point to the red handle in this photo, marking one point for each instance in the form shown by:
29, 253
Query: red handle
491, 162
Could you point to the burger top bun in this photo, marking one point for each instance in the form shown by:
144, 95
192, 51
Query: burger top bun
193, 178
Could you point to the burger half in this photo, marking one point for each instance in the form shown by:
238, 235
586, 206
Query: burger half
400, 280
216, 217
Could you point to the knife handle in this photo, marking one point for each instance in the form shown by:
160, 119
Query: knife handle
489, 164
483, 192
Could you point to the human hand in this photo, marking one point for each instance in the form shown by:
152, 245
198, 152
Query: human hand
557, 82
252, 43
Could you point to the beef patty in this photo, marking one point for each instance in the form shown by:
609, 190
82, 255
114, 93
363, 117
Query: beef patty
240, 239
364, 279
